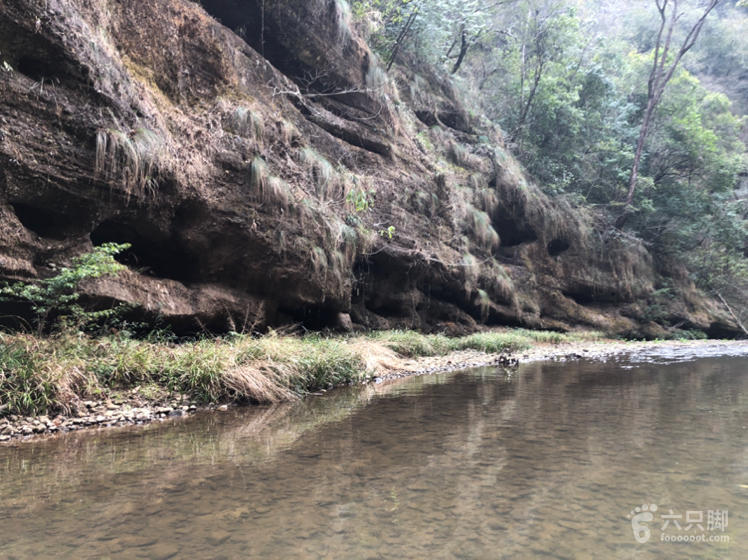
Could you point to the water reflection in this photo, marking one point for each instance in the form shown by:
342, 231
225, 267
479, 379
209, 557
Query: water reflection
543, 462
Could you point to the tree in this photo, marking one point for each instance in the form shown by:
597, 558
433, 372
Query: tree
660, 74
403, 34
541, 43
55, 300
440, 31
472, 19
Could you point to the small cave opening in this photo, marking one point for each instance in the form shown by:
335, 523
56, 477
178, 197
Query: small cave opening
581, 297
450, 292
558, 246
151, 255
15, 315
512, 231
46, 223
37, 68
384, 285
427, 117
722, 331
455, 120
310, 317
498, 317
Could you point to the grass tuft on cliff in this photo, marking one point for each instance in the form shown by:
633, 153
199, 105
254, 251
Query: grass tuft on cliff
41, 375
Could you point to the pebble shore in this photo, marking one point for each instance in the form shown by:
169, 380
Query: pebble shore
131, 409
134, 408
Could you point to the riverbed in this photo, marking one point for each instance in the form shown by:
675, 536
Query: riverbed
553, 459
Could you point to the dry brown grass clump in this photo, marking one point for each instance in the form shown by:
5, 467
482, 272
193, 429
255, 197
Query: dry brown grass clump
129, 161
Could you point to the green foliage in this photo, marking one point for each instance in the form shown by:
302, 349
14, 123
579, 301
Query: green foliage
360, 199
55, 300
388, 232
326, 363
688, 204
494, 342
382, 20
22, 390
412, 344
568, 81
42, 375
692, 334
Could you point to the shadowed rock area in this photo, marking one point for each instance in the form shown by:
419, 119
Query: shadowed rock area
230, 154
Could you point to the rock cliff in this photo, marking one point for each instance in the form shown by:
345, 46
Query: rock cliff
266, 170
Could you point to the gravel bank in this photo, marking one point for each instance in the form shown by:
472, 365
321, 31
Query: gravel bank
135, 407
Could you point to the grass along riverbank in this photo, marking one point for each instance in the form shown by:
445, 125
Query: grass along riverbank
41, 376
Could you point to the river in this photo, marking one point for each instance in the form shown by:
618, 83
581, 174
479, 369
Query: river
576, 459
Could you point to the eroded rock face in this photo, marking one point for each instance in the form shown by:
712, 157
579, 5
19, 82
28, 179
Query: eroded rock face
235, 177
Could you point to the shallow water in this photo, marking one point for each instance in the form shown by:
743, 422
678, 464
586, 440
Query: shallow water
545, 461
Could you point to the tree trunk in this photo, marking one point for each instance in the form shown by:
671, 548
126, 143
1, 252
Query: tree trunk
528, 104
734, 316
635, 169
463, 51
401, 37
658, 80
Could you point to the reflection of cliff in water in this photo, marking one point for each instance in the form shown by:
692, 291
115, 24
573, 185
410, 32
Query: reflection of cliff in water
550, 457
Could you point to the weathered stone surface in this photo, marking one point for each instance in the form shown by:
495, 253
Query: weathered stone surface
153, 123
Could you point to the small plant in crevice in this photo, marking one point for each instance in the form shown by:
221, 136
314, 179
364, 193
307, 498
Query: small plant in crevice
342, 238
496, 280
470, 270
360, 199
324, 176
483, 301
487, 199
378, 82
288, 132
54, 301
388, 233
277, 192
479, 224
425, 142
425, 203
267, 188
257, 176
463, 157
247, 123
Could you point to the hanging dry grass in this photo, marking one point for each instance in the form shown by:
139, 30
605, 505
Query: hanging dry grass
129, 161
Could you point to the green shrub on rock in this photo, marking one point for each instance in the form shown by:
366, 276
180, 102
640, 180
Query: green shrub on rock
54, 301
